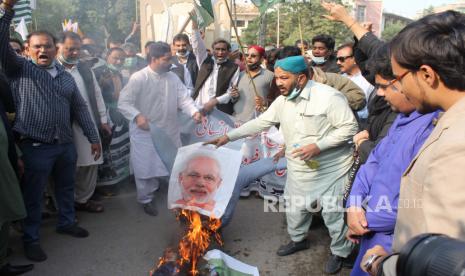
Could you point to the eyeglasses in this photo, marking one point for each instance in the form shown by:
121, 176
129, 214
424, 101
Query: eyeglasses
342, 59
391, 82
399, 78
251, 55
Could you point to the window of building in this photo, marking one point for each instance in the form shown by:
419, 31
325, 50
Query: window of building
360, 14
240, 23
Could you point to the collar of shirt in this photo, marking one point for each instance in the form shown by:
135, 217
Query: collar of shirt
261, 72
306, 91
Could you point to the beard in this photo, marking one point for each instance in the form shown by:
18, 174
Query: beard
254, 66
423, 106
288, 92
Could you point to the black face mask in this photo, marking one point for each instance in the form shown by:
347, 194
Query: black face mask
253, 66
164, 69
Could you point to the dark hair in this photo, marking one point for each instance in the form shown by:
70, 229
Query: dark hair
436, 40
327, 40
15, 40
114, 40
221, 40
346, 45
68, 35
298, 41
288, 51
148, 43
270, 57
41, 33
380, 63
114, 49
157, 50
181, 37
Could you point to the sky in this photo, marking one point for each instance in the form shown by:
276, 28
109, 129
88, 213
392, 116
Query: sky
409, 8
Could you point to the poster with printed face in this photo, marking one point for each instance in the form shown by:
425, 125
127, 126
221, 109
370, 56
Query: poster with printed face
203, 179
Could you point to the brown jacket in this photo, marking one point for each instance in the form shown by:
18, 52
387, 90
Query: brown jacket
432, 190
354, 94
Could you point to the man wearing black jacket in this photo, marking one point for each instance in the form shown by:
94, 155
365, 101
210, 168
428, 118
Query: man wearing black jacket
217, 75
87, 166
184, 63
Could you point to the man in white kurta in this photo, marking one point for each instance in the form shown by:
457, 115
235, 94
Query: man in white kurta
318, 123
87, 166
153, 95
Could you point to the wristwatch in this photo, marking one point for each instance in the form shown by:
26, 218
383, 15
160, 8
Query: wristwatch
369, 263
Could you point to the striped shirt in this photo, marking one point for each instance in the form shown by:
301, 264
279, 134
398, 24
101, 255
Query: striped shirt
45, 105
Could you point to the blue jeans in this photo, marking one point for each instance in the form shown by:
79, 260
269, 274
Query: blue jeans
41, 161
247, 174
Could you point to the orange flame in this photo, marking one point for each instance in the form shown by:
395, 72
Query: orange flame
196, 241
194, 244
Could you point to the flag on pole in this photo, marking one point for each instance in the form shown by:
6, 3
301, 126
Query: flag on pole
21, 29
23, 10
204, 12
264, 5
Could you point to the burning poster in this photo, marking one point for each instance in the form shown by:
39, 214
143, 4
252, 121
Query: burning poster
203, 179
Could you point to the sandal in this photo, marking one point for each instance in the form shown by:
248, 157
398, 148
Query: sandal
90, 206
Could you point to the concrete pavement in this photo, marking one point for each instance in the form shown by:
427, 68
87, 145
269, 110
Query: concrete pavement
125, 241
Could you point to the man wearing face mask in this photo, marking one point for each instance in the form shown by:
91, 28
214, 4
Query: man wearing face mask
322, 53
87, 167
153, 95
217, 74
132, 62
317, 122
115, 167
184, 63
47, 100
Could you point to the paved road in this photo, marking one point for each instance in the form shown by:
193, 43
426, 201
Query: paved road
125, 241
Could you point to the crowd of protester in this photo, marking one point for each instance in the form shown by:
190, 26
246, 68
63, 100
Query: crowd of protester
372, 122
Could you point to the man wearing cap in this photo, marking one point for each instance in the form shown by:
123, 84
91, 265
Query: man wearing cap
248, 102
316, 122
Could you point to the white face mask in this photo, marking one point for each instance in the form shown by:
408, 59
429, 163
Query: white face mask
219, 61
316, 60
182, 55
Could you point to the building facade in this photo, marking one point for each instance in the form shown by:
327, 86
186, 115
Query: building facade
161, 20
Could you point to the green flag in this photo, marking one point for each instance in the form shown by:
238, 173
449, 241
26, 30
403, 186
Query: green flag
264, 5
204, 12
22, 10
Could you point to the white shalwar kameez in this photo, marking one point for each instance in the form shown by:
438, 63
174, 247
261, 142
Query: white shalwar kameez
319, 115
86, 166
158, 97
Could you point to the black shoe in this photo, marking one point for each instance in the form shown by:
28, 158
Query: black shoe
74, 231
292, 247
150, 209
34, 252
8, 269
334, 264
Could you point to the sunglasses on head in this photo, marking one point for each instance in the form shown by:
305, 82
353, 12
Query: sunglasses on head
342, 59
